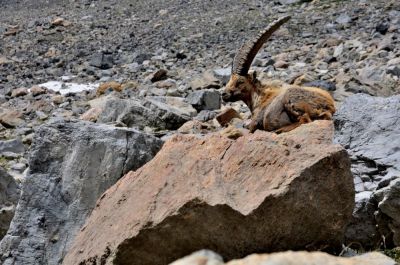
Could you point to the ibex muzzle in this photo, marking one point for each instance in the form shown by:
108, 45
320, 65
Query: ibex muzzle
278, 108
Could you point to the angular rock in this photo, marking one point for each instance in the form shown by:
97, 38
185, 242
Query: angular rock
223, 74
226, 116
71, 165
368, 127
208, 99
102, 60
262, 192
160, 113
286, 258
15, 146
11, 118
9, 195
159, 75
206, 81
205, 115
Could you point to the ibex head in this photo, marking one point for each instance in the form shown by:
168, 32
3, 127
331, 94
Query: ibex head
242, 85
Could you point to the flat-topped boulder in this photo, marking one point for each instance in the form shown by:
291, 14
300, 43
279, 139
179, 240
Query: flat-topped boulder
260, 193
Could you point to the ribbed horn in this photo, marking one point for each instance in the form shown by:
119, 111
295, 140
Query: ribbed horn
245, 56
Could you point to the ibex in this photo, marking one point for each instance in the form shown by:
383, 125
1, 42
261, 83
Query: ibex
275, 107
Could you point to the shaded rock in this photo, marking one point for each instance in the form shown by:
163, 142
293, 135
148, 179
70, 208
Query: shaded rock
287, 258
327, 85
161, 113
225, 116
368, 127
9, 195
112, 86
102, 60
393, 70
209, 99
205, 115
382, 28
15, 146
159, 75
71, 165
262, 192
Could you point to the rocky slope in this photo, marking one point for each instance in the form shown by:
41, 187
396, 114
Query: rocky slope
155, 68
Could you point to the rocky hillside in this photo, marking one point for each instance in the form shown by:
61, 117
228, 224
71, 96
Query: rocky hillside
116, 148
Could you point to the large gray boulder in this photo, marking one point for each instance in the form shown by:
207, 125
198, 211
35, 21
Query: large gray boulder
9, 195
71, 165
369, 128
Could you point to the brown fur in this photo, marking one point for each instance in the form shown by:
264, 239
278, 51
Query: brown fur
277, 106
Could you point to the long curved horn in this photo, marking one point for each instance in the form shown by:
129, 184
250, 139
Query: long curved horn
245, 56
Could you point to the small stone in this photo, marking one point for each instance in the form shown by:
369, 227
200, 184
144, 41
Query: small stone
102, 60
281, 64
169, 83
91, 115
11, 119
393, 70
57, 99
37, 90
60, 22
204, 99
159, 75
206, 115
326, 85
19, 92
223, 74
231, 132
226, 116
19, 167
382, 28
41, 115
206, 81
115, 86
343, 19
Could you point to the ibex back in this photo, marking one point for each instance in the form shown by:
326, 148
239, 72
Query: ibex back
275, 106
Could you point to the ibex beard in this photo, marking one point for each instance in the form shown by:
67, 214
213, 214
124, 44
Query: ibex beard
275, 106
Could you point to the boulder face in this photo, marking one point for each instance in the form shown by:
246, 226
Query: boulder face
71, 165
261, 192
369, 128
9, 195
286, 258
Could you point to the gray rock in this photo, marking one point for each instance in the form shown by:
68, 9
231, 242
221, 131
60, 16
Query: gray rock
289, 2
343, 19
9, 195
206, 115
393, 70
368, 127
102, 60
71, 165
159, 113
209, 99
15, 146
223, 74
327, 85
